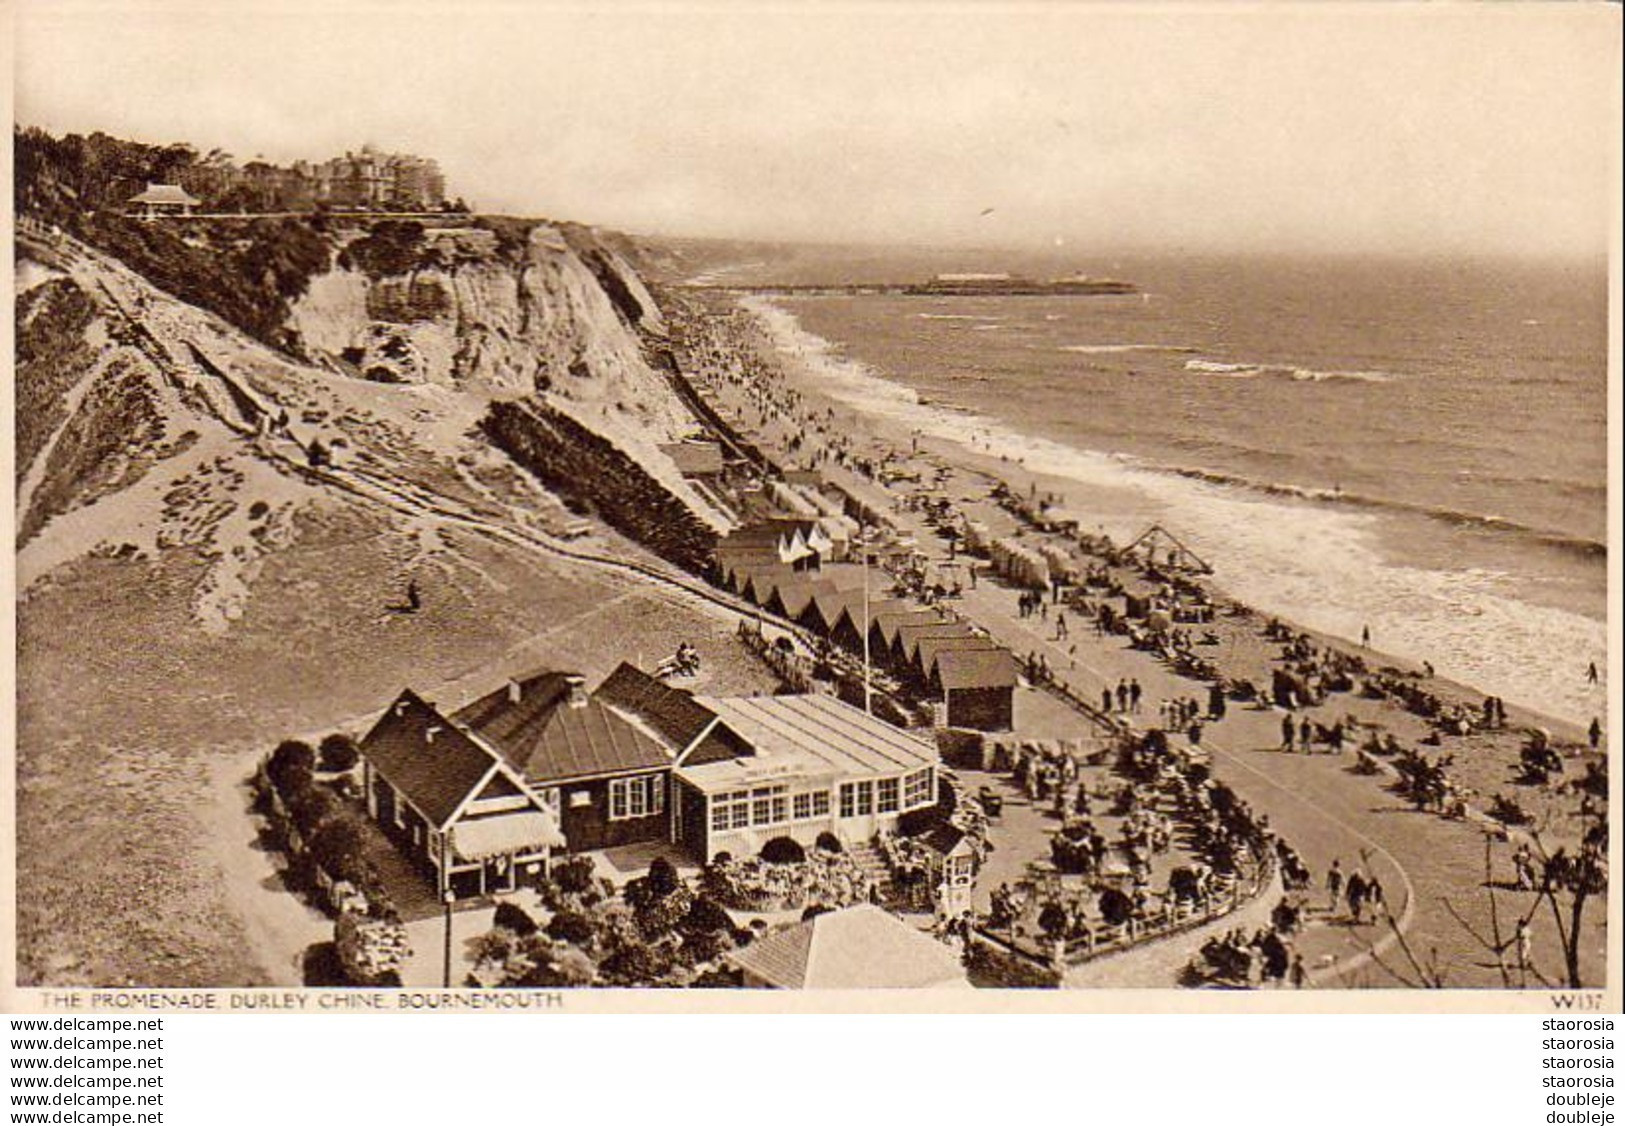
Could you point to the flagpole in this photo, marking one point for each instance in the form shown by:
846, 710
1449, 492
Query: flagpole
868, 700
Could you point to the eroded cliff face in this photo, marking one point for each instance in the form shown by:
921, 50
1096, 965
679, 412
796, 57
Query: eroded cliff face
543, 318
148, 424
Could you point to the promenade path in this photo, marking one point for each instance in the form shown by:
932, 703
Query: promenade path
1431, 869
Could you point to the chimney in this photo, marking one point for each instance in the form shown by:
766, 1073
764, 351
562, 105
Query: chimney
516, 692
577, 685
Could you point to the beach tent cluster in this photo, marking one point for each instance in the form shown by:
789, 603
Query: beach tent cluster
936, 655
1023, 564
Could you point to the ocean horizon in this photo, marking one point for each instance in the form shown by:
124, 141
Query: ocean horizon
1414, 446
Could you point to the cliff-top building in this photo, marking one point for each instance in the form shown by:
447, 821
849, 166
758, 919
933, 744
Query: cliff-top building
481, 798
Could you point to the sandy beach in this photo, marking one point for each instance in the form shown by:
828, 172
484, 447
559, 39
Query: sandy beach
1326, 804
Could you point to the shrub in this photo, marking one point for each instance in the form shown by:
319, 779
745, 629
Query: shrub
705, 916
662, 878
391, 248
572, 927
783, 850
814, 910
312, 808
574, 875
657, 917
513, 918
339, 752
636, 963
561, 966
1052, 919
290, 759
829, 842
338, 847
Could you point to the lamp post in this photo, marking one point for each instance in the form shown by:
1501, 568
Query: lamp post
448, 899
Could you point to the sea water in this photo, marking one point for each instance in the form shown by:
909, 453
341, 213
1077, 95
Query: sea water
1417, 447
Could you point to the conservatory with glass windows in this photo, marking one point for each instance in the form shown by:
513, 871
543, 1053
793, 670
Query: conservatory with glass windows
801, 766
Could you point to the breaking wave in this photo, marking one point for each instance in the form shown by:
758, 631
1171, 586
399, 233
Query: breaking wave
1286, 371
1576, 545
1106, 349
1321, 564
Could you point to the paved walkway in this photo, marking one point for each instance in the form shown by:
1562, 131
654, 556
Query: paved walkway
1431, 869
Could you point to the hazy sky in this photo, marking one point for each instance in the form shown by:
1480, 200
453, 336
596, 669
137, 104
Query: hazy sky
1364, 128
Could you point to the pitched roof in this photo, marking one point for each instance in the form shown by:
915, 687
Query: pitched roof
944, 837
859, 947
928, 649
424, 756
975, 668
810, 735
909, 636
547, 739
670, 712
164, 193
795, 597
890, 623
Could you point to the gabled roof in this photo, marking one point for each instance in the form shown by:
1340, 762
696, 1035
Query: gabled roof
944, 838
928, 649
859, 947
890, 623
795, 597
548, 739
672, 713
165, 193
975, 668
910, 636
424, 756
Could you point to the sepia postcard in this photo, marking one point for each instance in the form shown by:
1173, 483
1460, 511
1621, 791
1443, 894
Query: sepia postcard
886, 507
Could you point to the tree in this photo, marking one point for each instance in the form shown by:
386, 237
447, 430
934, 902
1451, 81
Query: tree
1053, 920
338, 848
705, 916
313, 807
662, 878
339, 752
291, 758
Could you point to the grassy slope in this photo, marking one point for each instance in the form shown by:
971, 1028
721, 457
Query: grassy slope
118, 723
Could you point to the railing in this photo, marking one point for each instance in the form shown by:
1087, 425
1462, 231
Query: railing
1169, 920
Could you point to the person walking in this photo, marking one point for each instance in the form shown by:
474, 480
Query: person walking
1365, 637
1134, 693
1525, 943
1288, 732
1594, 732
1306, 735
1106, 699
1591, 673
1334, 884
1356, 897
1297, 974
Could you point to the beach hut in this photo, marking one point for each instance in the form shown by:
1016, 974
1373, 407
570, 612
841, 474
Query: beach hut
977, 687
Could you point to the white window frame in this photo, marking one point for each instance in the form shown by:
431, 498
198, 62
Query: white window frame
894, 797
641, 796
858, 798
919, 789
